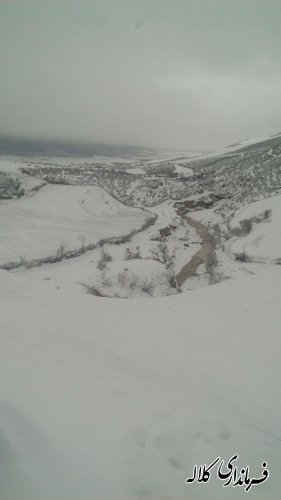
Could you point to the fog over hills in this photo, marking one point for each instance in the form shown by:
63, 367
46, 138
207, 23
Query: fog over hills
179, 74
35, 147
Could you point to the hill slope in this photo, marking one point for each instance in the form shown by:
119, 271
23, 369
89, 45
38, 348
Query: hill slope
124, 404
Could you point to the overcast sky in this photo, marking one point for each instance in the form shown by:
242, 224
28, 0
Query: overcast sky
166, 73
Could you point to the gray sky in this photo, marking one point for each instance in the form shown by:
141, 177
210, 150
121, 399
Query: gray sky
167, 73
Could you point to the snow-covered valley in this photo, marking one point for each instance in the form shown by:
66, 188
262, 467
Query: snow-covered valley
102, 398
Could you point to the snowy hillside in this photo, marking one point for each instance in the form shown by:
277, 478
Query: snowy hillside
121, 399
260, 226
14, 183
60, 218
107, 398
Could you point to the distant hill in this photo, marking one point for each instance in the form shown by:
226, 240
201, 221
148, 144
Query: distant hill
27, 147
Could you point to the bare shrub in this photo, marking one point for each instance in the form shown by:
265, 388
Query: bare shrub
126, 280
155, 254
161, 254
173, 281
132, 253
217, 235
61, 250
83, 242
105, 258
101, 265
246, 226
93, 291
165, 256
267, 214
105, 281
211, 266
24, 263
147, 287
133, 281
122, 278
242, 257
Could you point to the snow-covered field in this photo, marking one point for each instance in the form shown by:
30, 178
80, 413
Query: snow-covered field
61, 218
120, 399
183, 170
